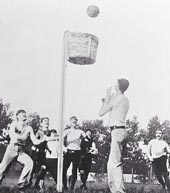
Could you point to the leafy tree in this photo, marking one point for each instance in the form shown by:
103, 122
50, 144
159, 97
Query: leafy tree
5, 115
34, 121
166, 130
153, 125
134, 159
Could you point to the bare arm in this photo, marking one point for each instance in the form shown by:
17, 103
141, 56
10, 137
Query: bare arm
12, 133
51, 138
167, 149
83, 134
106, 106
33, 137
149, 152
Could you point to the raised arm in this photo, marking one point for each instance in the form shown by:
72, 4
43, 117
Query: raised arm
106, 106
51, 138
107, 103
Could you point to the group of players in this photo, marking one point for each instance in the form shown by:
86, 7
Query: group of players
79, 147
43, 154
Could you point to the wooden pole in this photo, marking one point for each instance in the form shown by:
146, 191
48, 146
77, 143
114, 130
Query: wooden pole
61, 114
132, 176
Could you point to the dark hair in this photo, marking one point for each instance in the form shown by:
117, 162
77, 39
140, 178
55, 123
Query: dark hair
42, 119
89, 130
123, 84
20, 111
53, 131
73, 117
159, 130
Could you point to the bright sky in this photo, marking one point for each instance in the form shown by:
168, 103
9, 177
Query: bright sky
134, 39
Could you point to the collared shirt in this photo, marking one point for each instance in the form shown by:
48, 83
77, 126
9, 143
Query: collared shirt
156, 148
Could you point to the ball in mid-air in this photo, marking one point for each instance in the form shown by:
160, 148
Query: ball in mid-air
93, 11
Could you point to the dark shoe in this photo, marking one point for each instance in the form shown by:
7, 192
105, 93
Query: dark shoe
65, 189
71, 191
85, 187
81, 186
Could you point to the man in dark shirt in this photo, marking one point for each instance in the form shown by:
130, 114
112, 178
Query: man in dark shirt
88, 148
38, 151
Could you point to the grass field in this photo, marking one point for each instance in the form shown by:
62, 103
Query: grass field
9, 185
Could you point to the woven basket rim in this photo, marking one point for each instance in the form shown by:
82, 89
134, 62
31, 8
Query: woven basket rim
78, 34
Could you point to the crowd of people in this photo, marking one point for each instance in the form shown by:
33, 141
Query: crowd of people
43, 157
79, 148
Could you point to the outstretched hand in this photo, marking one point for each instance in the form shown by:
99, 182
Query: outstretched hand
108, 92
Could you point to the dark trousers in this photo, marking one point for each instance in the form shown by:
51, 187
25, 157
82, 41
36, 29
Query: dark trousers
85, 167
39, 160
160, 170
74, 158
51, 166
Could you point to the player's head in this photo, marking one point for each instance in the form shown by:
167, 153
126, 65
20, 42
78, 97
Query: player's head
21, 115
159, 134
53, 132
121, 85
44, 122
88, 133
73, 121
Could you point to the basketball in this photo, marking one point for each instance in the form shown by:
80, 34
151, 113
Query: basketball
93, 11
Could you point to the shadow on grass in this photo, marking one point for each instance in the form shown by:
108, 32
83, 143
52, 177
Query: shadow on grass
106, 190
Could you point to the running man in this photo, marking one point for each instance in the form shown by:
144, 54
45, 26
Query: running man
19, 132
117, 106
157, 153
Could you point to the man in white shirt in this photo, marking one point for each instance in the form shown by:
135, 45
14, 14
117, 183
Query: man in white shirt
157, 153
19, 132
117, 106
73, 137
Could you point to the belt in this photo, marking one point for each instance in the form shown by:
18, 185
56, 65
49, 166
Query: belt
117, 127
72, 151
